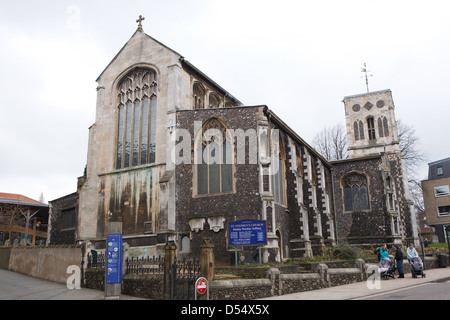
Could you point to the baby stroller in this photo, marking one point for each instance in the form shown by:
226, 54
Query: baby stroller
416, 267
386, 268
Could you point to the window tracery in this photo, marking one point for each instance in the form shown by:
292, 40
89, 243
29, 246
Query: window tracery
136, 123
356, 196
214, 101
383, 128
358, 129
199, 96
215, 160
371, 128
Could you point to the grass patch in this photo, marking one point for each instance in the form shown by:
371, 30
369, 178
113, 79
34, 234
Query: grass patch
442, 245
342, 252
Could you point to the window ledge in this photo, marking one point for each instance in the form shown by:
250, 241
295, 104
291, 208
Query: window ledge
144, 166
212, 194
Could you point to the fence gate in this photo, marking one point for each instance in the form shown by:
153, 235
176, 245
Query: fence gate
185, 273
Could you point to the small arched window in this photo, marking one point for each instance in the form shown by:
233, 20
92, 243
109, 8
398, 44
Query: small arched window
383, 129
186, 244
358, 130
371, 128
214, 100
356, 195
136, 121
199, 96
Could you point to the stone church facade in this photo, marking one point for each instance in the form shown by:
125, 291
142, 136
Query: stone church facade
162, 125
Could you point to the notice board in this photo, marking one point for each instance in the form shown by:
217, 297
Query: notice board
247, 233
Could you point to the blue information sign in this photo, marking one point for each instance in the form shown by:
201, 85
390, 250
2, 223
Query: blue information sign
114, 258
247, 233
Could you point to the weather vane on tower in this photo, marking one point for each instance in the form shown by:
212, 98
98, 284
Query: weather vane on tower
370, 75
141, 18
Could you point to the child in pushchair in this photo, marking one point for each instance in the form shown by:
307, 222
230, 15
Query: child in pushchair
416, 267
386, 268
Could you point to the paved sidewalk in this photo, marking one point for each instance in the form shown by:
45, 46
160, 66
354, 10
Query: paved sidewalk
360, 289
17, 286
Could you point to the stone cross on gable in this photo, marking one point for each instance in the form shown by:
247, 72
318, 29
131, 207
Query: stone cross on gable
141, 18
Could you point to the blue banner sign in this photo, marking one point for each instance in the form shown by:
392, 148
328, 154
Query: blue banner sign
114, 258
247, 233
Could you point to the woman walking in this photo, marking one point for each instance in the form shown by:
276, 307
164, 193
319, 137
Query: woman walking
411, 252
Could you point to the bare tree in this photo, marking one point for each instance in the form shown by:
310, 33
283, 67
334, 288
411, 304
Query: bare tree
27, 215
413, 159
415, 188
408, 147
331, 143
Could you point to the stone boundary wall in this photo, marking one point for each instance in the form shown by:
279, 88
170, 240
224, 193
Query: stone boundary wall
5, 253
247, 289
48, 263
276, 281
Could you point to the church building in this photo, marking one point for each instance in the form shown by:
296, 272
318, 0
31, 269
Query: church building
175, 157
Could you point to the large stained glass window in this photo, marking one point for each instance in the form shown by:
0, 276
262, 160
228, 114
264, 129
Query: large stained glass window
356, 195
136, 121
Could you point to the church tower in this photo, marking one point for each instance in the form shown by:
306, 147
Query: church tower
372, 195
370, 123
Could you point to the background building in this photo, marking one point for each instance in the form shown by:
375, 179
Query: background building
436, 197
20, 218
62, 220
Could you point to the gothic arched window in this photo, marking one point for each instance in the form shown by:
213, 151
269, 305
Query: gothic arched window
199, 96
371, 128
214, 159
136, 123
358, 129
356, 195
214, 100
383, 129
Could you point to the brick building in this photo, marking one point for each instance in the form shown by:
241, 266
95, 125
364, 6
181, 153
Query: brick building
436, 197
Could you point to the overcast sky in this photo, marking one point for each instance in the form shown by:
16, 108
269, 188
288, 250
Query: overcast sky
300, 58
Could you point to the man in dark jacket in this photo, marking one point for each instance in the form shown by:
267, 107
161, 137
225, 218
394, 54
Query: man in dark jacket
399, 259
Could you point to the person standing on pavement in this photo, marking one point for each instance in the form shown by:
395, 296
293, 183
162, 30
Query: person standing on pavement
399, 259
411, 252
383, 252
